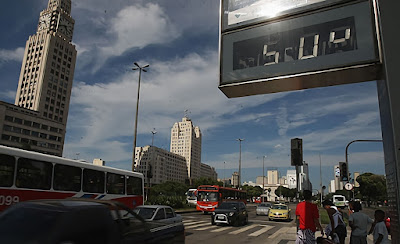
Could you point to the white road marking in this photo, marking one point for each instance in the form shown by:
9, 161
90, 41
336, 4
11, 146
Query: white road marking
263, 230
194, 223
195, 226
207, 227
222, 229
242, 229
280, 231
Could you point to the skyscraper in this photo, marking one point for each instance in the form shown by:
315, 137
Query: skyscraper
186, 141
39, 117
47, 70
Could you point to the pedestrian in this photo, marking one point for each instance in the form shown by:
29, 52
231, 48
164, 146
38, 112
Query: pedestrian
378, 228
307, 218
336, 228
358, 222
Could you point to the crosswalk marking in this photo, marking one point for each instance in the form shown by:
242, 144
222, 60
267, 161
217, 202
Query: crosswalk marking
206, 228
220, 229
194, 223
242, 230
198, 225
263, 230
281, 230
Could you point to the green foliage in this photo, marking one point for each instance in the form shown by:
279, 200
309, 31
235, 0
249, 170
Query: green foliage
252, 191
205, 181
172, 201
372, 187
169, 188
285, 192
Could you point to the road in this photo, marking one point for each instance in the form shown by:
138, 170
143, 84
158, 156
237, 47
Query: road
259, 230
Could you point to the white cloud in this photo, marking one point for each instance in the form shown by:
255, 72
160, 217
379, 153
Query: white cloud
8, 94
12, 55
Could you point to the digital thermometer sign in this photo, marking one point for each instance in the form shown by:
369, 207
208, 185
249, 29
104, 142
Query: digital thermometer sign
328, 47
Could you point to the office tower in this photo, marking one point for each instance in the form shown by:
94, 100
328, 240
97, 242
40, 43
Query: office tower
186, 141
39, 117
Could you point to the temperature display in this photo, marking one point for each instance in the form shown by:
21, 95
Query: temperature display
319, 42
302, 43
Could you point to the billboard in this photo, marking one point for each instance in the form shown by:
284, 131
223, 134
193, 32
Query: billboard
324, 47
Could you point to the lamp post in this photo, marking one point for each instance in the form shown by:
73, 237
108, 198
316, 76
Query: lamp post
240, 160
224, 174
138, 67
152, 138
263, 174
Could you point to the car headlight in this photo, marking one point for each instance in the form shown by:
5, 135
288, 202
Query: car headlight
231, 214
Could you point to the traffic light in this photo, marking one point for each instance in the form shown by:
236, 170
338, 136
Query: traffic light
296, 152
344, 171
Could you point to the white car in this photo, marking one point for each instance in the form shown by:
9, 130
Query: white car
263, 208
159, 213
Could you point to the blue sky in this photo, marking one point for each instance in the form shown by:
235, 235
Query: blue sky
179, 39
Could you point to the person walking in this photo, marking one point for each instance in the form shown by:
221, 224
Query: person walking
336, 228
307, 219
378, 228
358, 222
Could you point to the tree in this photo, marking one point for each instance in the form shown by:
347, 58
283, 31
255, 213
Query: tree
169, 188
252, 191
372, 187
285, 192
206, 181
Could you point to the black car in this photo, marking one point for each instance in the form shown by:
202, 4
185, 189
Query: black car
82, 221
231, 213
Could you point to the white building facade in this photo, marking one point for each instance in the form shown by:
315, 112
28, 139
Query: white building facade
161, 165
186, 141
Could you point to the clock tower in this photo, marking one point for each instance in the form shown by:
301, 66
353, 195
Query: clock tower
47, 71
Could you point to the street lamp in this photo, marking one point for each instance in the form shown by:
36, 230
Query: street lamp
138, 67
263, 175
240, 160
152, 138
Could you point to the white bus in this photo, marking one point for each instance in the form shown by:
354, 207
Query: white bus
26, 175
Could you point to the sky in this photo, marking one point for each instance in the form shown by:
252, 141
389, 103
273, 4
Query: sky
180, 41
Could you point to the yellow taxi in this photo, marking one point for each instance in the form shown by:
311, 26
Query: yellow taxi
279, 211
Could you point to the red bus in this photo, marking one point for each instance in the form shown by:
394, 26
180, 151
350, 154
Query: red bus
210, 197
26, 175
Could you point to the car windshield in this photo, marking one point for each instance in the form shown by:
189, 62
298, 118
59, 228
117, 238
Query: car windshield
284, 207
145, 213
266, 205
24, 225
207, 196
229, 205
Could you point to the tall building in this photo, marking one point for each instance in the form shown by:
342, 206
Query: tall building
208, 172
186, 141
272, 176
45, 80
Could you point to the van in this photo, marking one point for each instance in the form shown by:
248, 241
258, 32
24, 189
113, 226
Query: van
339, 201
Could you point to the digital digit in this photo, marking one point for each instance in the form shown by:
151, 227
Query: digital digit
2, 200
303, 47
333, 35
8, 200
268, 56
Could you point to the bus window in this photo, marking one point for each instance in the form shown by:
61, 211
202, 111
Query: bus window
115, 184
93, 181
134, 185
67, 178
33, 174
7, 168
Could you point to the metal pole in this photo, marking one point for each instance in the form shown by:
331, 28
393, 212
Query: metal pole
263, 176
240, 161
136, 119
224, 174
320, 176
347, 147
152, 138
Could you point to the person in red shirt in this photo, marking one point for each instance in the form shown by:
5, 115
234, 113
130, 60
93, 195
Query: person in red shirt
307, 218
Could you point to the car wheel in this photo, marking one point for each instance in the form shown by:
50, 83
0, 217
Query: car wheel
212, 221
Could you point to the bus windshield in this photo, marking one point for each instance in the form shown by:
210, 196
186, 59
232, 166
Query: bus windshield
206, 196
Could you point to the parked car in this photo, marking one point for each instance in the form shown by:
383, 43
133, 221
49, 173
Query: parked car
86, 221
158, 213
263, 208
231, 213
279, 211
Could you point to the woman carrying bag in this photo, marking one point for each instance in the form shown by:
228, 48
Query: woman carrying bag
339, 231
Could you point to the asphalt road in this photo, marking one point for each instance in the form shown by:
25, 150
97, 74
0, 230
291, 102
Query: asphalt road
198, 229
